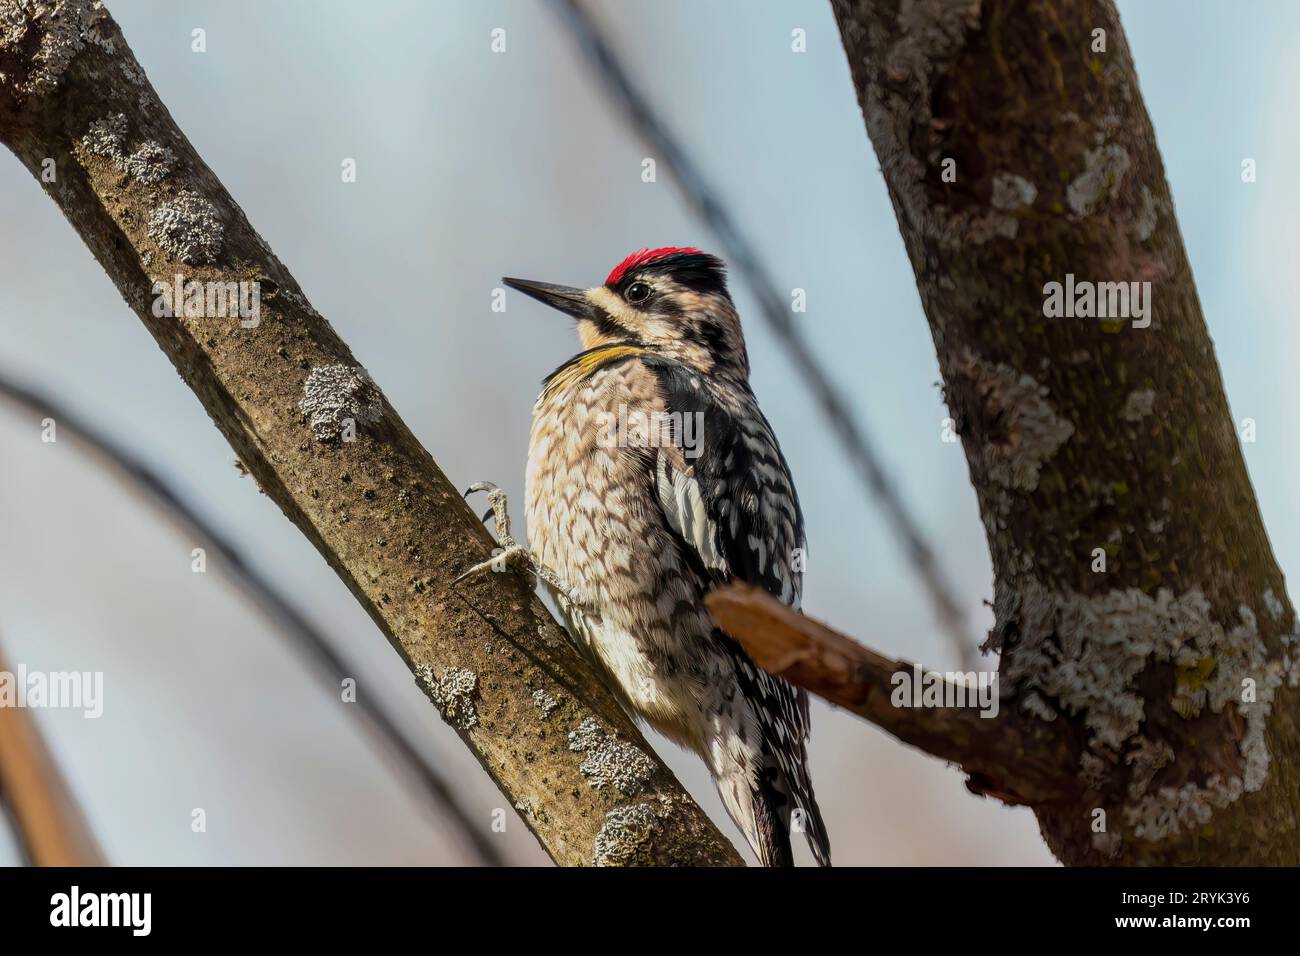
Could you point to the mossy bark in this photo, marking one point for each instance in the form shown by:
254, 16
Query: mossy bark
74, 99
1172, 671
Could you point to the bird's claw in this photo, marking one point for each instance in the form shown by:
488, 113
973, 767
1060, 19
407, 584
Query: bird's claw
477, 487
497, 497
510, 553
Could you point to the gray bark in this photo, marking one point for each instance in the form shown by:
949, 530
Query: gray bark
1171, 673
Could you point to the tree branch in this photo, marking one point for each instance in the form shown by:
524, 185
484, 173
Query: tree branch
48, 821
1018, 761
325, 445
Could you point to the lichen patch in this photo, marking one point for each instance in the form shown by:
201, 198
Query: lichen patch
1012, 192
1087, 654
1148, 216
336, 395
1274, 607
1030, 429
545, 703
626, 837
149, 163
106, 137
188, 228
39, 39
1138, 405
454, 693
610, 762
1104, 169
930, 32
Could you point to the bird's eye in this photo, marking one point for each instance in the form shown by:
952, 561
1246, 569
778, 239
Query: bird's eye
637, 292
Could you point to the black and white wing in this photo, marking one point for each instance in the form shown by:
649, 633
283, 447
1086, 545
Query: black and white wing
725, 490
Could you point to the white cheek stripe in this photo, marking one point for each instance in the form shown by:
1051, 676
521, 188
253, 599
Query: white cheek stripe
622, 313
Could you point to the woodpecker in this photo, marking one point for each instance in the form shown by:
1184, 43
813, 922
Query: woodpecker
653, 476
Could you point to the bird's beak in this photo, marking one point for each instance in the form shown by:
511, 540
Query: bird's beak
570, 301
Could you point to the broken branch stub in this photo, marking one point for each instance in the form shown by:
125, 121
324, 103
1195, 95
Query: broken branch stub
1016, 759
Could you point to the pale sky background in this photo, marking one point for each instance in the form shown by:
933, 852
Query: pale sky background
474, 165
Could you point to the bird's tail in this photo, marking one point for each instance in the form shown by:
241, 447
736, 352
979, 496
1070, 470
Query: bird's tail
771, 811
765, 781
806, 817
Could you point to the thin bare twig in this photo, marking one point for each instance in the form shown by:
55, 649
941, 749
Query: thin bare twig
302, 635
744, 258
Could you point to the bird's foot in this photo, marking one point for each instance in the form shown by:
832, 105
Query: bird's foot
510, 553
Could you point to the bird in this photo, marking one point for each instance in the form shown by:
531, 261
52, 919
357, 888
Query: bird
652, 478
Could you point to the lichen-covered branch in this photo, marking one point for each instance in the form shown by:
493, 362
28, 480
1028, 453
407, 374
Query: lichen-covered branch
1138, 607
1017, 760
321, 440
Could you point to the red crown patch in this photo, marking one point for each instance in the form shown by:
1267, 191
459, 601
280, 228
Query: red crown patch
644, 257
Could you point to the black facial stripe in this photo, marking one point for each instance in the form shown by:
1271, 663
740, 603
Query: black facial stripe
609, 326
606, 323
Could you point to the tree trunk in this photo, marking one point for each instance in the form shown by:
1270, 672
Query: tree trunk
324, 444
1138, 604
